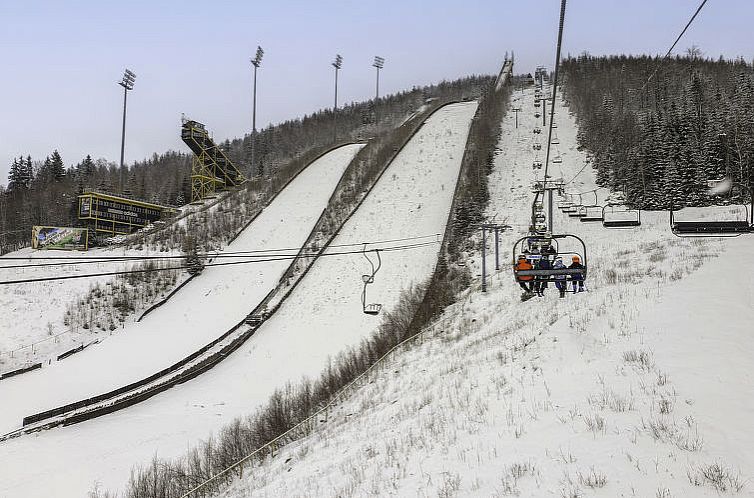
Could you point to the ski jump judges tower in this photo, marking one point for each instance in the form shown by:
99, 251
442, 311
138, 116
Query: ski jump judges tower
211, 169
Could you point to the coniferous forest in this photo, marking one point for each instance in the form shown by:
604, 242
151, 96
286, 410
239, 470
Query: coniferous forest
658, 130
44, 192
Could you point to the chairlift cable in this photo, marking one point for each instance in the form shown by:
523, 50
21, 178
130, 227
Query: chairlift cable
674, 44
212, 255
227, 263
552, 107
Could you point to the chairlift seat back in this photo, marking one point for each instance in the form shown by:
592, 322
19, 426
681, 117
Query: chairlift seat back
620, 223
712, 227
589, 219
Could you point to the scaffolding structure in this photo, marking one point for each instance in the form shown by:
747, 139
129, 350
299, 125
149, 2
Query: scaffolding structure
211, 169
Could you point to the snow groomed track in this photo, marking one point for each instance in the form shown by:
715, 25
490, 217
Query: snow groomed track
211, 304
321, 318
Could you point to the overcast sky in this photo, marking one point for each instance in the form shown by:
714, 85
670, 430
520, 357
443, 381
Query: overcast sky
62, 59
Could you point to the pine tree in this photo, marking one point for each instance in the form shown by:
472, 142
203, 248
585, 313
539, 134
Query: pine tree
16, 175
57, 168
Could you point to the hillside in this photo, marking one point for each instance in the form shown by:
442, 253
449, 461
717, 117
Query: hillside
618, 391
84, 311
414, 194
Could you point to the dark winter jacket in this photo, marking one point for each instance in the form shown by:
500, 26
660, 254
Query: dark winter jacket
544, 264
575, 266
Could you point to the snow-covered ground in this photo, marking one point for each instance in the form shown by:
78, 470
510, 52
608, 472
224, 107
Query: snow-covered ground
322, 317
31, 324
640, 387
204, 309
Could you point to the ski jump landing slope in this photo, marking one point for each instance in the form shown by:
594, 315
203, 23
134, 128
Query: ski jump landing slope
322, 317
208, 306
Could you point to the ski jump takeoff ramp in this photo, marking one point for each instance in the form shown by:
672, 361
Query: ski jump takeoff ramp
322, 317
208, 306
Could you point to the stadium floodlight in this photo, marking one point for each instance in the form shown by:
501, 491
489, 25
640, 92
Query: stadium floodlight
378, 63
129, 77
256, 62
337, 64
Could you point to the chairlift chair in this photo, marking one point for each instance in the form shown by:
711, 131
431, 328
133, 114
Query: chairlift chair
537, 146
577, 212
620, 216
537, 130
370, 308
568, 206
555, 141
721, 228
532, 247
591, 213
537, 165
557, 160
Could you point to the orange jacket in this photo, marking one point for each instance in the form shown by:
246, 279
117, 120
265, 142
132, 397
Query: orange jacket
524, 265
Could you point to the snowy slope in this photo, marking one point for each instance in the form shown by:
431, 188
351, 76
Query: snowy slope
208, 306
321, 318
640, 387
28, 318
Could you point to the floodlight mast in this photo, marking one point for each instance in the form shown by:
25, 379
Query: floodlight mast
378, 63
337, 64
127, 83
256, 62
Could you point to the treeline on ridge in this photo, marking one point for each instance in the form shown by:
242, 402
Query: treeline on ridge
660, 139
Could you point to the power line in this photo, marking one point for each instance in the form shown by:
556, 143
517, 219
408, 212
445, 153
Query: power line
229, 263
